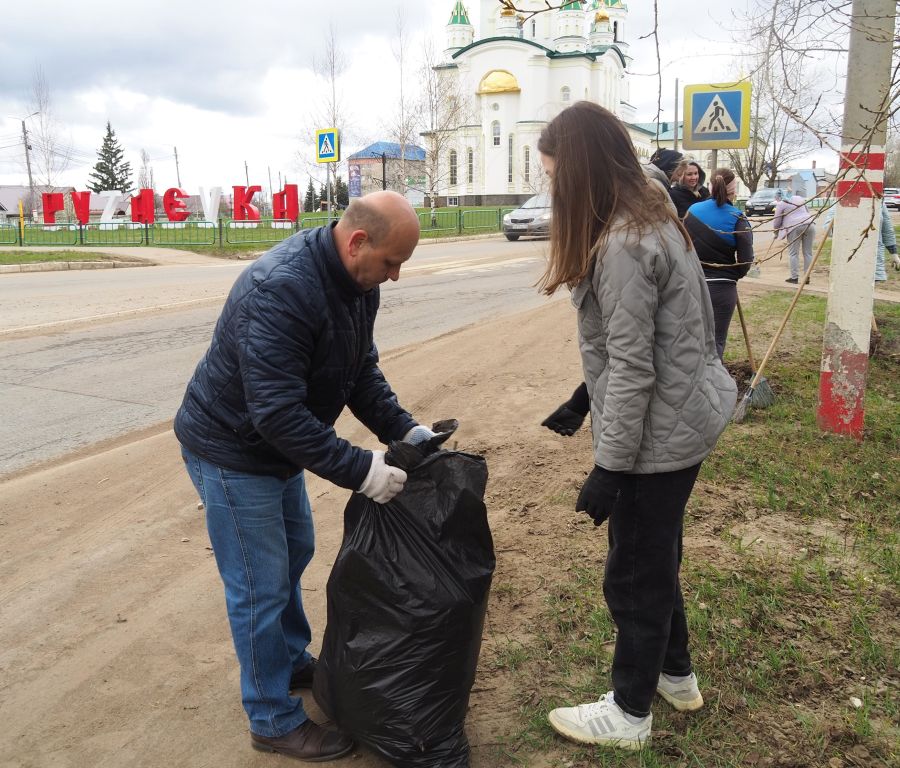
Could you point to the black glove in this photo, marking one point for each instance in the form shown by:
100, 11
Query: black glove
599, 494
567, 419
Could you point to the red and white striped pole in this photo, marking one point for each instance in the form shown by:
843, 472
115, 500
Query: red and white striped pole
845, 352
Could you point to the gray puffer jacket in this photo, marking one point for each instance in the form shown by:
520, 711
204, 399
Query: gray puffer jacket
660, 397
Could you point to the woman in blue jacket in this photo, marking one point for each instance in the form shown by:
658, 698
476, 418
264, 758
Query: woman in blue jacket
724, 244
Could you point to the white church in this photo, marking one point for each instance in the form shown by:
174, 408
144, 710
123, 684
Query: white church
522, 71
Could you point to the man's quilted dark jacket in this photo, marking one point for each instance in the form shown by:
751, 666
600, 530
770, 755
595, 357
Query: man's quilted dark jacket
292, 347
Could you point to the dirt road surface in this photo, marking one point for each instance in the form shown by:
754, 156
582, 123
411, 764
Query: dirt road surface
114, 647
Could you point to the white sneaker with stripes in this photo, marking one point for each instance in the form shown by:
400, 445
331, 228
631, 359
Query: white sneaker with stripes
601, 722
684, 694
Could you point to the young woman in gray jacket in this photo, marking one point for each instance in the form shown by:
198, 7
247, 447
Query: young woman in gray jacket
659, 398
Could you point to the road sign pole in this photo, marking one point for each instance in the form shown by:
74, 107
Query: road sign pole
848, 321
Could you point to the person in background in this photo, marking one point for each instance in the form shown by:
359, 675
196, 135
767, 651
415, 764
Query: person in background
659, 399
887, 239
662, 165
723, 241
687, 186
794, 221
292, 348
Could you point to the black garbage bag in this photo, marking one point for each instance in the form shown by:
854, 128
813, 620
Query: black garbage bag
407, 598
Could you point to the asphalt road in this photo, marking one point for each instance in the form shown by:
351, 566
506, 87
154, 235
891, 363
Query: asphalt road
91, 355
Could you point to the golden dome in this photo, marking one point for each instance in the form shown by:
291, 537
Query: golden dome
601, 15
507, 11
498, 81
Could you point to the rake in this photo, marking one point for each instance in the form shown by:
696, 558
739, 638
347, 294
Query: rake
740, 413
762, 395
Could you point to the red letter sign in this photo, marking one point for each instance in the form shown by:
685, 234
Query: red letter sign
286, 204
52, 202
82, 203
142, 207
174, 206
243, 209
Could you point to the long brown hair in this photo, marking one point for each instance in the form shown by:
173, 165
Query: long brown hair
597, 179
722, 177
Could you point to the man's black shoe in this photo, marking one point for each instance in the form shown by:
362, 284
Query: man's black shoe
303, 677
793, 280
309, 742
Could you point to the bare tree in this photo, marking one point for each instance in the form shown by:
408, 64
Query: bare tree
403, 127
145, 174
776, 137
51, 151
330, 64
892, 161
444, 107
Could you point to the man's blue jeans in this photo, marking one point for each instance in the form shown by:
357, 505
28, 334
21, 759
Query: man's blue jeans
262, 535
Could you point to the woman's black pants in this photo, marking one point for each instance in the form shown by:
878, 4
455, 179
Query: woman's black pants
724, 299
641, 585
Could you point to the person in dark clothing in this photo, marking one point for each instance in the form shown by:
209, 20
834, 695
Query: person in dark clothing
292, 348
666, 160
687, 187
723, 241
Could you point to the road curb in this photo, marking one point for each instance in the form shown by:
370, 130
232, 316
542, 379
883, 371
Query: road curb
60, 266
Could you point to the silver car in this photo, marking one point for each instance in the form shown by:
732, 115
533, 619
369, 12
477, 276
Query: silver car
533, 218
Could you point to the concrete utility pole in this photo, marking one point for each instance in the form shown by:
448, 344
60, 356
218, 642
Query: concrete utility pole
28, 165
845, 349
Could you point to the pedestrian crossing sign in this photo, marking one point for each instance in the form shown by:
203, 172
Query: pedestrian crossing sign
328, 146
717, 116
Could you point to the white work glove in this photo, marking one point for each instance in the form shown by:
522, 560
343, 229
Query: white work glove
418, 434
895, 260
383, 481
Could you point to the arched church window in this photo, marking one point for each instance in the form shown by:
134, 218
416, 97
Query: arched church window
526, 164
495, 132
470, 166
509, 165
616, 31
533, 29
453, 171
566, 93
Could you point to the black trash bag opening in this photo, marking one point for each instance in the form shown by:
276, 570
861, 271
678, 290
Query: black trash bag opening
407, 597
407, 456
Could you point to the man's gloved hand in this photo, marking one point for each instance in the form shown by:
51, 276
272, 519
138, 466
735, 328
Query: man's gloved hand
599, 494
567, 419
418, 434
383, 481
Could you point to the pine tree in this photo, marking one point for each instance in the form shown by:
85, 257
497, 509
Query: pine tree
323, 194
341, 192
110, 172
310, 202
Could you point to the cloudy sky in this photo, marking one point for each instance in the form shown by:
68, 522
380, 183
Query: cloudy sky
230, 83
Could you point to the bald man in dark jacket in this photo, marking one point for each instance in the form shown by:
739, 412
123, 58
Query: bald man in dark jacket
292, 348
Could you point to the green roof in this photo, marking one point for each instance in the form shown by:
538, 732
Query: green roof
575, 6
459, 15
614, 3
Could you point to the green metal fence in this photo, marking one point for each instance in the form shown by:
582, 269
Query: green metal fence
481, 220
51, 234
260, 231
117, 233
197, 232
183, 233
8, 235
444, 222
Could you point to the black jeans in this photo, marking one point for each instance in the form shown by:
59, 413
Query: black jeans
724, 299
641, 585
